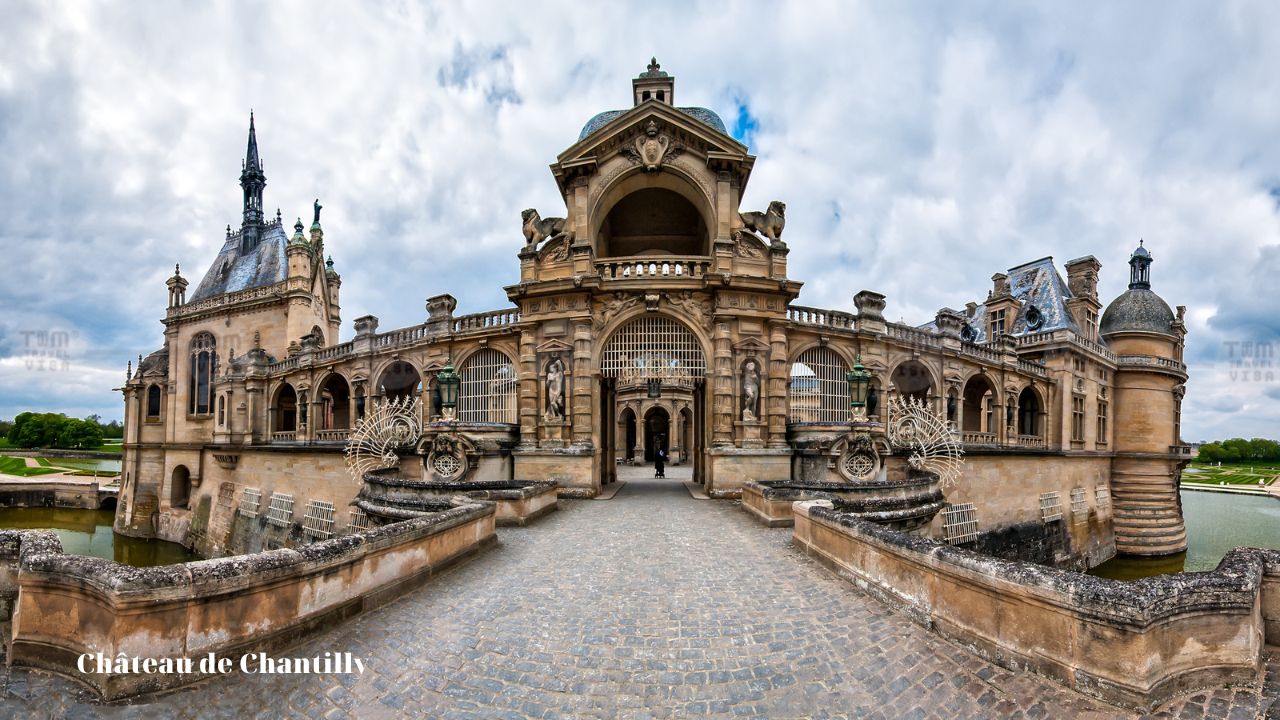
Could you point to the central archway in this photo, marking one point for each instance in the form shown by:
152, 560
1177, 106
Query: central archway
654, 359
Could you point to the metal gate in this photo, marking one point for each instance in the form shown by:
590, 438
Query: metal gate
653, 347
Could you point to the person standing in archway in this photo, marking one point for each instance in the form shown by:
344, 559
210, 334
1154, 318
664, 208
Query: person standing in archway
660, 461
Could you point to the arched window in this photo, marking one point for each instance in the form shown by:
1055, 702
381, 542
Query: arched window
912, 380
1029, 413
180, 487
819, 390
400, 379
204, 368
222, 410
487, 392
153, 402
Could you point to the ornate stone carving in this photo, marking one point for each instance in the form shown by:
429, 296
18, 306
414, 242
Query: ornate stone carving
747, 245
536, 228
652, 149
610, 308
768, 223
697, 309
449, 458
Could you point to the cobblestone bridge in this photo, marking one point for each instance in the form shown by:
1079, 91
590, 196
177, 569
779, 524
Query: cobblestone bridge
652, 604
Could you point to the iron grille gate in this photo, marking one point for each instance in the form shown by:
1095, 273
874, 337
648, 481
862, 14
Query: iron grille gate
653, 347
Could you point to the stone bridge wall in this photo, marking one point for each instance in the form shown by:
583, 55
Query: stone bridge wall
1133, 643
62, 606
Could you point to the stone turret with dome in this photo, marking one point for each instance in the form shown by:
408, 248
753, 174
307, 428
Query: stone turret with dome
1138, 309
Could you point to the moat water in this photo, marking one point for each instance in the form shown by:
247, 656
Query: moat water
88, 532
1216, 523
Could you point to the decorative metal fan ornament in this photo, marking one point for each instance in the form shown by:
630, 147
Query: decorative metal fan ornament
387, 427
935, 446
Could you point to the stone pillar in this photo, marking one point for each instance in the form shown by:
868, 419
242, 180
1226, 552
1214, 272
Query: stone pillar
529, 390
580, 399
724, 407
775, 399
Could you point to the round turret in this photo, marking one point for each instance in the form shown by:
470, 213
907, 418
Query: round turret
1138, 309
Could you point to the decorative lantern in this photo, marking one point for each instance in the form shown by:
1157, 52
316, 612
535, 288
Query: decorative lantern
859, 383
447, 381
655, 388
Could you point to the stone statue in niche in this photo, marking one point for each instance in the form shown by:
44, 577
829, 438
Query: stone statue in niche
750, 391
555, 390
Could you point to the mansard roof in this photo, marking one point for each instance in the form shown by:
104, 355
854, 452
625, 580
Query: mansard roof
1035, 284
230, 271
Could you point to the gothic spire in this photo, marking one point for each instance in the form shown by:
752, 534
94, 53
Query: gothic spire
252, 180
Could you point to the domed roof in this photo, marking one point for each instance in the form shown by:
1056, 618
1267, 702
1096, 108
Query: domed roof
1137, 310
701, 114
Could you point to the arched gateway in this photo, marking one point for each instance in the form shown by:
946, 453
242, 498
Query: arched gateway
652, 372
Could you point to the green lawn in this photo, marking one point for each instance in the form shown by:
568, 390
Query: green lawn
18, 466
1235, 474
4, 442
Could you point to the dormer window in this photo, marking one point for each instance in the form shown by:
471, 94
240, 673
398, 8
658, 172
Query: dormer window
997, 324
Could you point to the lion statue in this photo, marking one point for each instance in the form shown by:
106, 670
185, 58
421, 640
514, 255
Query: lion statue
537, 228
769, 223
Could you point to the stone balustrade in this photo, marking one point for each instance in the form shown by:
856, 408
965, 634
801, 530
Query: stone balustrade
284, 436
979, 438
913, 336
485, 320
802, 315
335, 435
667, 266
1031, 441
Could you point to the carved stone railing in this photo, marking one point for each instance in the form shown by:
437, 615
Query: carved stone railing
284, 365
1032, 368
802, 315
1070, 337
1034, 441
338, 435
982, 352
402, 336
334, 352
290, 436
1180, 450
1095, 347
979, 438
232, 298
1152, 361
667, 266
913, 336
493, 318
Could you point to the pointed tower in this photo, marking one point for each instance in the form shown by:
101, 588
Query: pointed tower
253, 180
1145, 473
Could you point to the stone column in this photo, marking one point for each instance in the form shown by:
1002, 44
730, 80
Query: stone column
579, 402
775, 398
529, 392
723, 410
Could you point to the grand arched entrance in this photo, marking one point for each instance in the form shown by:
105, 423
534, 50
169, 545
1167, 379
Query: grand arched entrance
653, 378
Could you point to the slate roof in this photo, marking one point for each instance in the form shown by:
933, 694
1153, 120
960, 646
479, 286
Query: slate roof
1036, 284
701, 114
231, 271
1137, 309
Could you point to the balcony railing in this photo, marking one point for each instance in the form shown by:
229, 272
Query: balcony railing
1034, 441
802, 315
289, 436
913, 336
338, 435
979, 438
670, 266
493, 318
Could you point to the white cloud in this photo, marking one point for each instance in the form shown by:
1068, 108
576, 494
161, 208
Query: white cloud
919, 150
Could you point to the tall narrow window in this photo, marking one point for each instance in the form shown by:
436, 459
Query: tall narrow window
204, 367
153, 402
488, 388
1077, 419
1102, 422
819, 391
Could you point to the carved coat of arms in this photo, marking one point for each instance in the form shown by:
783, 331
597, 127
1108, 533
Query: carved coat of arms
652, 149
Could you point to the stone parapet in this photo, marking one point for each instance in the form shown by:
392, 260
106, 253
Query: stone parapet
1131, 643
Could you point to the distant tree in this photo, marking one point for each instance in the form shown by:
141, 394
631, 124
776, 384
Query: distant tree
54, 430
1240, 450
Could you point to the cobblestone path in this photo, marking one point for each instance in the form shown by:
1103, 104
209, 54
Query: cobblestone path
651, 604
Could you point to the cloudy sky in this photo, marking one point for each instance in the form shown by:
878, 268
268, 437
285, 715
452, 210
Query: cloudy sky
919, 147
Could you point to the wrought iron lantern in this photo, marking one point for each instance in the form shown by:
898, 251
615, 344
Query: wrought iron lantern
447, 381
859, 383
655, 388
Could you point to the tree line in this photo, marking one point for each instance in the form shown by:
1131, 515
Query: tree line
1240, 450
55, 430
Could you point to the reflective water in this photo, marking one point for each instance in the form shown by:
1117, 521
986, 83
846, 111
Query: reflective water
1216, 523
88, 532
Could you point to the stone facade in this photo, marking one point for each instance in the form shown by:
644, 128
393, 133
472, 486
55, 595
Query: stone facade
655, 313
